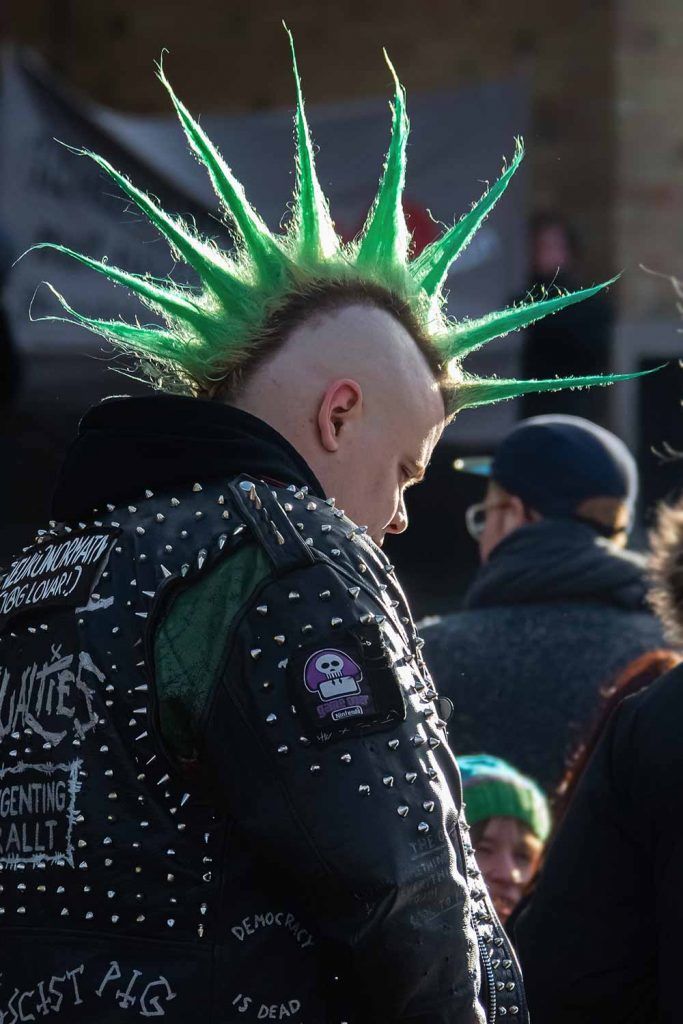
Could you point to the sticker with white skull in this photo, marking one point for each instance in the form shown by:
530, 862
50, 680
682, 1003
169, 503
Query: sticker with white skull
347, 688
336, 679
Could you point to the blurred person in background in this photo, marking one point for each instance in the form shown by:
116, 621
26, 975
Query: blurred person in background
577, 340
639, 674
558, 605
612, 875
509, 822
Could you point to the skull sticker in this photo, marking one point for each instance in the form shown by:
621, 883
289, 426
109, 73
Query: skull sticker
332, 674
346, 690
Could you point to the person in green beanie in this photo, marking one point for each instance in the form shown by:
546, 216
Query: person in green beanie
510, 821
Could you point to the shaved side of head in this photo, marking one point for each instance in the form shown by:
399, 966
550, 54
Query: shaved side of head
358, 367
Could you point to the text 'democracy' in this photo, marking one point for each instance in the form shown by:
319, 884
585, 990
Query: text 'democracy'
38, 813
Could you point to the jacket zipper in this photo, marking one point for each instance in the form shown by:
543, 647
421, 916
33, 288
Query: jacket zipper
490, 979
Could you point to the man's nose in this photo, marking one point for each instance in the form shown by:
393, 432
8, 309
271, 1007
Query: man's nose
399, 524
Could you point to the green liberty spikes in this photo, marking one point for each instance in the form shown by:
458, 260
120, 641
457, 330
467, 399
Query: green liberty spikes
431, 267
261, 245
153, 340
470, 335
385, 239
475, 391
200, 255
316, 238
168, 301
212, 330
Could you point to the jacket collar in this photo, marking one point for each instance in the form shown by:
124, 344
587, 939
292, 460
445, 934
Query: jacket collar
125, 445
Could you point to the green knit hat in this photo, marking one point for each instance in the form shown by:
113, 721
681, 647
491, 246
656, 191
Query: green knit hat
493, 788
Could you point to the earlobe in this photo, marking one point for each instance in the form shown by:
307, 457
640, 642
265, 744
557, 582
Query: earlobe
341, 403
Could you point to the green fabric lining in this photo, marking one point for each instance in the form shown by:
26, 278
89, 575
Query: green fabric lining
190, 642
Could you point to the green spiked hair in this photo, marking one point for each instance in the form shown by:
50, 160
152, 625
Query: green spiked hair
213, 333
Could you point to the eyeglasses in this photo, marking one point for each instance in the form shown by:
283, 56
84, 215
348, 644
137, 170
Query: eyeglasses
475, 517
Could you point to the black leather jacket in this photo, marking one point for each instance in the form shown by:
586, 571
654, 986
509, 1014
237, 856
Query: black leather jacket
313, 865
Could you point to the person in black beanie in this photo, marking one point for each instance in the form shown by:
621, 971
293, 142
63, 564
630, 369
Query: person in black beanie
558, 605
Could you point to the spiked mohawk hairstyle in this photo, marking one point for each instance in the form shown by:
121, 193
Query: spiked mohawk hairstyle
215, 330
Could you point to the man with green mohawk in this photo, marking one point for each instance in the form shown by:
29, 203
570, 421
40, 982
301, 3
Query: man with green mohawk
226, 793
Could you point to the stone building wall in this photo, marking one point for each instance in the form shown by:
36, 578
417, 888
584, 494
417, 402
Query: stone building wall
649, 122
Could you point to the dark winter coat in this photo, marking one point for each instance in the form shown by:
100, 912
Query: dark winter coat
554, 614
600, 940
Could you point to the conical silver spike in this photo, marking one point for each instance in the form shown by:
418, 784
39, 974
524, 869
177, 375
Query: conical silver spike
196, 488
403, 810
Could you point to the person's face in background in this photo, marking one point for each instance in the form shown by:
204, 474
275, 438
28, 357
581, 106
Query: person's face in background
508, 855
552, 251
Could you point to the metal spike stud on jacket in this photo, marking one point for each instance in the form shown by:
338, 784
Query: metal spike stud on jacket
309, 862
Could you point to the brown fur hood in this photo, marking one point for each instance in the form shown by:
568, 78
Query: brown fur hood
666, 570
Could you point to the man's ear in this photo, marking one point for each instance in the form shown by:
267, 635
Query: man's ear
517, 514
341, 405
